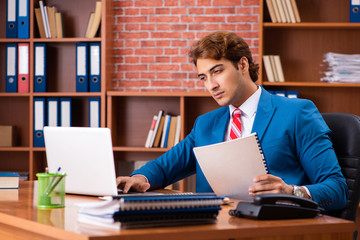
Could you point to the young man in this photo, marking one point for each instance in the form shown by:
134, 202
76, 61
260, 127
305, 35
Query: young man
294, 137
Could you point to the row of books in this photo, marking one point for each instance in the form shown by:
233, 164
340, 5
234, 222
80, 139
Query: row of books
344, 68
164, 131
17, 19
152, 209
49, 21
273, 68
283, 11
88, 67
56, 112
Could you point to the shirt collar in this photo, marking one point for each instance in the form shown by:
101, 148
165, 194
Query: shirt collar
249, 107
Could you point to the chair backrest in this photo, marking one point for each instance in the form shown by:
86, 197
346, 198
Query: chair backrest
346, 141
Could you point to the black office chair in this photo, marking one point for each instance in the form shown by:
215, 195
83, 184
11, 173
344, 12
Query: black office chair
346, 140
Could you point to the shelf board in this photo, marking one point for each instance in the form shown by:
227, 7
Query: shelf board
6, 94
310, 84
14, 149
67, 94
334, 25
59, 40
139, 149
158, 94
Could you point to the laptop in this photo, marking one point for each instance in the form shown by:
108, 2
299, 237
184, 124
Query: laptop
85, 155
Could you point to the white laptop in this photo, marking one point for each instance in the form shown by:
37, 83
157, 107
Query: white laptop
86, 155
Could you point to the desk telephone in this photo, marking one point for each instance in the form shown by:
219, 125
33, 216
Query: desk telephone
276, 206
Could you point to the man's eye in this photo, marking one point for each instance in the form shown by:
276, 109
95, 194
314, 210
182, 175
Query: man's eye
202, 78
218, 71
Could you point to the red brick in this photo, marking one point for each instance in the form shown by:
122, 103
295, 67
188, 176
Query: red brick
178, 27
187, 3
123, 3
176, 35
162, 59
147, 11
227, 2
196, 10
132, 27
228, 27
230, 10
179, 43
212, 27
166, 83
189, 84
134, 35
251, 2
132, 75
162, 11
212, 11
164, 67
163, 43
163, 27
130, 19
204, 3
164, 19
210, 19
244, 10
187, 19
123, 52
162, 75
147, 27
249, 18
132, 44
151, 51
150, 43
148, 59
178, 75
177, 11
148, 3
171, 51
133, 83
179, 59
132, 60
147, 75
126, 67
131, 11
196, 27
171, 3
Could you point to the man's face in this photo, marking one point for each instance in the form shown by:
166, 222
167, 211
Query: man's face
225, 83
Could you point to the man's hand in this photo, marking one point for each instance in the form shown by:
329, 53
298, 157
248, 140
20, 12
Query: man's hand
137, 182
268, 183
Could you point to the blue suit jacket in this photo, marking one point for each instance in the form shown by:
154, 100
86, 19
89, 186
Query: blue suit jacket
294, 138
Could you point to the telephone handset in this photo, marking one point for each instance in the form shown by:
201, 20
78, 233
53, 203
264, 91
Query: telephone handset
276, 206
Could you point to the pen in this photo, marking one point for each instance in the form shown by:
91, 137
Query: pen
46, 193
52, 181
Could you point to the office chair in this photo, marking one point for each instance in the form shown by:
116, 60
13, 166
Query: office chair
346, 141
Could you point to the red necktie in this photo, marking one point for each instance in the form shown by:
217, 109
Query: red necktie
235, 131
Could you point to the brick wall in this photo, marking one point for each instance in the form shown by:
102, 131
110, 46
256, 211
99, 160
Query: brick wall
152, 39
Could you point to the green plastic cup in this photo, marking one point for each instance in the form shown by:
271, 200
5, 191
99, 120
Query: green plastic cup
51, 190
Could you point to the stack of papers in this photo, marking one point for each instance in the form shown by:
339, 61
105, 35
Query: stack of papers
344, 68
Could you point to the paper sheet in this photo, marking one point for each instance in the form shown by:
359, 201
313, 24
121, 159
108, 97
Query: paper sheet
231, 166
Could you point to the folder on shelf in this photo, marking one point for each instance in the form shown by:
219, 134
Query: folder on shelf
11, 19
94, 112
292, 94
65, 112
96, 21
11, 67
355, 11
95, 67
82, 77
40, 67
39, 122
23, 67
53, 112
23, 19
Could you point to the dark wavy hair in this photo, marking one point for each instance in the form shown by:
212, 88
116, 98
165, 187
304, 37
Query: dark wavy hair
226, 45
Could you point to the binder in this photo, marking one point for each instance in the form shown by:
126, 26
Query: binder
23, 67
39, 122
65, 112
40, 67
354, 11
94, 112
82, 77
23, 19
292, 94
95, 67
11, 67
11, 19
52, 112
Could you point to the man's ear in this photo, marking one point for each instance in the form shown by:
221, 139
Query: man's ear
243, 64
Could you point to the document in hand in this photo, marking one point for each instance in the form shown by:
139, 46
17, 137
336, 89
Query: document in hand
231, 166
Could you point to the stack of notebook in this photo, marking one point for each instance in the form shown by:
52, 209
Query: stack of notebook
149, 210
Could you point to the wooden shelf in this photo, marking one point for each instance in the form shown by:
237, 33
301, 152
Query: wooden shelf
334, 25
311, 84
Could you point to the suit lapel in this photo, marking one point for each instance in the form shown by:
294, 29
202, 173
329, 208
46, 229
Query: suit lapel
264, 114
220, 125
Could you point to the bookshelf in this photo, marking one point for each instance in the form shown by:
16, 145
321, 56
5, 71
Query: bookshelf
18, 108
324, 27
129, 115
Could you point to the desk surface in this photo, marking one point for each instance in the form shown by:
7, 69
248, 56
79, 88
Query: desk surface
20, 219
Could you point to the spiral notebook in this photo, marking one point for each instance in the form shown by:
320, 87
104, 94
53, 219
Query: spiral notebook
231, 166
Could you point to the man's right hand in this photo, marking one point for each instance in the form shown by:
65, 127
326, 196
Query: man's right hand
137, 183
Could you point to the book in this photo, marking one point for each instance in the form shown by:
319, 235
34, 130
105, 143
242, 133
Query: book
165, 132
59, 25
286, 11
151, 132
9, 195
158, 133
240, 160
96, 22
296, 11
9, 180
160, 114
279, 69
271, 11
172, 130
281, 11
51, 16
268, 68
273, 67
91, 20
291, 11
178, 128
40, 23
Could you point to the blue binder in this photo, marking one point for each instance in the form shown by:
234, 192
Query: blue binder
11, 67
11, 19
95, 67
39, 122
355, 11
40, 67
65, 112
23, 19
94, 112
82, 77
52, 112
292, 94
